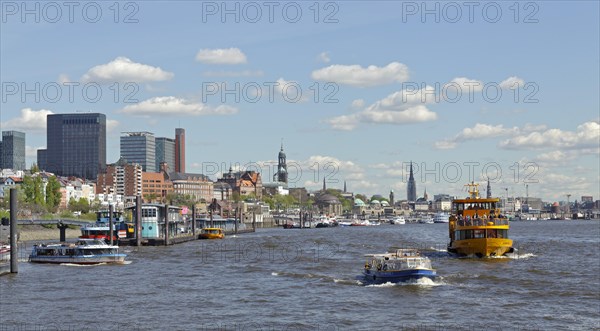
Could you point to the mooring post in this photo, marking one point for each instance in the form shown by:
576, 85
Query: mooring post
14, 267
166, 215
253, 219
111, 231
138, 220
194, 220
62, 228
235, 219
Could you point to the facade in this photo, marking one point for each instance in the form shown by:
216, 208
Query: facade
155, 186
196, 185
244, 182
76, 145
165, 153
13, 150
411, 187
180, 150
221, 191
140, 148
121, 179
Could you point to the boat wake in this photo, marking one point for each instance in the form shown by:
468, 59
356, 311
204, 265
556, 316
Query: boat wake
520, 256
82, 265
423, 282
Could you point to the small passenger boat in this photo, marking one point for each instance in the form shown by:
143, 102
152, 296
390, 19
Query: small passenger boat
403, 264
84, 251
212, 233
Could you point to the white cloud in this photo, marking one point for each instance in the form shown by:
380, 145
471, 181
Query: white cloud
324, 57
587, 135
355, 75
111, 125
484, 131
123, 69
414, 114
30, 120
512, 83
175, 106
468, 84
63, 78
221, 56
404, 99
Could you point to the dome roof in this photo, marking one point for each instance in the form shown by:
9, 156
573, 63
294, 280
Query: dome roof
385, 203
375, 202
358, 202
328, 198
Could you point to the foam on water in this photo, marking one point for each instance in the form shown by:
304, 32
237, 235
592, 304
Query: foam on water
82, 265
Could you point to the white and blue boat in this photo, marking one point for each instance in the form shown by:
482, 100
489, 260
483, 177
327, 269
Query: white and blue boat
84, 251
400, 265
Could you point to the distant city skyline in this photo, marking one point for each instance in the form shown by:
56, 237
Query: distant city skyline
356, 89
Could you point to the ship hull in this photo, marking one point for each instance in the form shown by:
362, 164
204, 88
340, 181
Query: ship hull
381, 277
483, 247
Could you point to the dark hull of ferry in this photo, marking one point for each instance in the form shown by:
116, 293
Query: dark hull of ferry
381, 277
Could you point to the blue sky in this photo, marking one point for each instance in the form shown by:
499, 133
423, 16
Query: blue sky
386, 77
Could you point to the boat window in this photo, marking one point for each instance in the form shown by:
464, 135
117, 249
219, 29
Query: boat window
492, 233
502, 233
478, 233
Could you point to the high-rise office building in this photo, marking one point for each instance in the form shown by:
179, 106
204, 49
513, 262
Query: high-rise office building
140, 148
180, 150
165, 152
1, 154
13, 150
76, 145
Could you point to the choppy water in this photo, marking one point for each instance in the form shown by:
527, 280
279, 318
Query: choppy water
293, 279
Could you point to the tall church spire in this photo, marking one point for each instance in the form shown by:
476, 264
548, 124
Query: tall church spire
489, 190
411, 187
282, 175
324, 187
344, 186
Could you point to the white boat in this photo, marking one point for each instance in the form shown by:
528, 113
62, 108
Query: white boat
397, 266
398, 220
441, 218
84, 251
426, 220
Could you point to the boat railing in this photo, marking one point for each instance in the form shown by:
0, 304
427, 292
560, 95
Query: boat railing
482, 222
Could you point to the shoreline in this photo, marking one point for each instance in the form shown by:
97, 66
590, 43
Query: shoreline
37, 233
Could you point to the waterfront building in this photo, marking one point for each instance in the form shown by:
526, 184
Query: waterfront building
140, 148
8, 183
165, 152
13, 150
411, 187
180, 150
198, 186
76, 145
244, 182
328, 204
120, 178
222, 191
156, 186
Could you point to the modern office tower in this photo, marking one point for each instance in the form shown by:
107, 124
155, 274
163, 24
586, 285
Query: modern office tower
76, 144
165, 152
140, 148
180, 150
13, 150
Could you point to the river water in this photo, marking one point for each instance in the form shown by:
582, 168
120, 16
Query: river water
294, 279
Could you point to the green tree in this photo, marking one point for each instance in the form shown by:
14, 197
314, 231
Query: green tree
53, 194
34, 168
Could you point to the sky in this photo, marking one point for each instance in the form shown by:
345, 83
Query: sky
355, 90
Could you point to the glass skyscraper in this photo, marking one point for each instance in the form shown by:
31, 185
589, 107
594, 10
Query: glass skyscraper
165, 152
140, 148
13, 150
76, 145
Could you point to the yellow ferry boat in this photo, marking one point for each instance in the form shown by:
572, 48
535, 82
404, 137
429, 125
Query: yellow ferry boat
477, 227
212, 233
